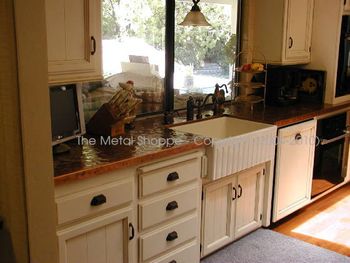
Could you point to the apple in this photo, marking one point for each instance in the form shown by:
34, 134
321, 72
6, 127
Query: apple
246, 67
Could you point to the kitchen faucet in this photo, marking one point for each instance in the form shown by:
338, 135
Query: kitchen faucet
218, 100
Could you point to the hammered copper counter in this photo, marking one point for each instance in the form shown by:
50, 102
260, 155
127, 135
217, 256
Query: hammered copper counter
148, 141
86, 160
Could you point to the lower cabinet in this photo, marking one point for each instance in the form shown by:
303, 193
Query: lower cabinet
169, 207
294, 168
231, 208
148, 214
104, 239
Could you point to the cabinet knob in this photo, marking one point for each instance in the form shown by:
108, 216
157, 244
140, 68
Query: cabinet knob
298, 137
172, 236
172, 177
132, 231
172, 206
98, 200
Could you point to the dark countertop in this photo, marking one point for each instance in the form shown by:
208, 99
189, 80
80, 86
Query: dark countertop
148, 141
86, 160
283, 116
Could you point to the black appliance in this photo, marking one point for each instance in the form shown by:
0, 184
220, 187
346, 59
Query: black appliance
343, 73
289, 85
331, 152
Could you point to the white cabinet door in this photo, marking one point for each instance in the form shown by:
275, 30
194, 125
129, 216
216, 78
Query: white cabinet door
232, 207
294, 168
284, 38
298, 30
73, 40
250, 185
347, 6
218, 215
104, 239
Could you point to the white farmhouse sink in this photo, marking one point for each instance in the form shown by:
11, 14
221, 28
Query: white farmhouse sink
236, 144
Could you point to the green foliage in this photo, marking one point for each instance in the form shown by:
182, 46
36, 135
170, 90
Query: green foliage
146, 19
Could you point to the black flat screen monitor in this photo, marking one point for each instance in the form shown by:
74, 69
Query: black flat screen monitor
67, 119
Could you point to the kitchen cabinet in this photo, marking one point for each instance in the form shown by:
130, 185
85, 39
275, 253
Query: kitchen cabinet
284, 37
232, 207
147, 214
104, 239
169, 209
96, 219
327, 25
73, 40
346, 6
294, 168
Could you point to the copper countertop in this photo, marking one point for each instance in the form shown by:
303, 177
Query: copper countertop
86, 160
148, 141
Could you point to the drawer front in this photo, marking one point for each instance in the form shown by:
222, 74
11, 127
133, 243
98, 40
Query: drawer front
188, 253
94, 200
166, 177
168, 206
168, 237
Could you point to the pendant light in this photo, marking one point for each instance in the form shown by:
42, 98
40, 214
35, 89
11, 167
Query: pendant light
195, 17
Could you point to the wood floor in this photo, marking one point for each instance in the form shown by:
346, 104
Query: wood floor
325, 223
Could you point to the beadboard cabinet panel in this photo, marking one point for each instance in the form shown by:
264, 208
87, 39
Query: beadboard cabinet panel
74, 40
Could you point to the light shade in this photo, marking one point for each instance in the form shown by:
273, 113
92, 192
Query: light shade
195, 17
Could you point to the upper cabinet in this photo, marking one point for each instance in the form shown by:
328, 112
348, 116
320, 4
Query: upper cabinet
74, 40
282, 31
346, 6
327, 40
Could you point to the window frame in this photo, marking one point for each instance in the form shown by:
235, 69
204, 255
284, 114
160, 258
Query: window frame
168, 101
168, 107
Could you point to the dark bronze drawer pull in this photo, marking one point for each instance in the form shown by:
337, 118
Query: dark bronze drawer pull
240, 191
234, 193
298, 137
172, 236
172, 177
93, 51
172, 206
173, 261
132, 231
98, 200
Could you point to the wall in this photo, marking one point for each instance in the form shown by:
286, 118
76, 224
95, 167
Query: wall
36, 129
12, 197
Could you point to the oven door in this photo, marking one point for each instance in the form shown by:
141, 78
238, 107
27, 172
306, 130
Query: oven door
329, 164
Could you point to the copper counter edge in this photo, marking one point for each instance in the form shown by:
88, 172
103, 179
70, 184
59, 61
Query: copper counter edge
124, 163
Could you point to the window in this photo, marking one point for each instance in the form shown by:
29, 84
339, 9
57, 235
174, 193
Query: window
203, 55
134, 35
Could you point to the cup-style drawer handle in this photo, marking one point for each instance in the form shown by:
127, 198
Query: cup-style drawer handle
172, 236
172, 206
234, 193
132, 231
298, 137
173, 261
172, 177
98, 200
93, 50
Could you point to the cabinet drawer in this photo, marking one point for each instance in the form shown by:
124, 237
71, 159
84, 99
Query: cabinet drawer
167, 174
168, 237
168, 206
185, 254
84, 203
